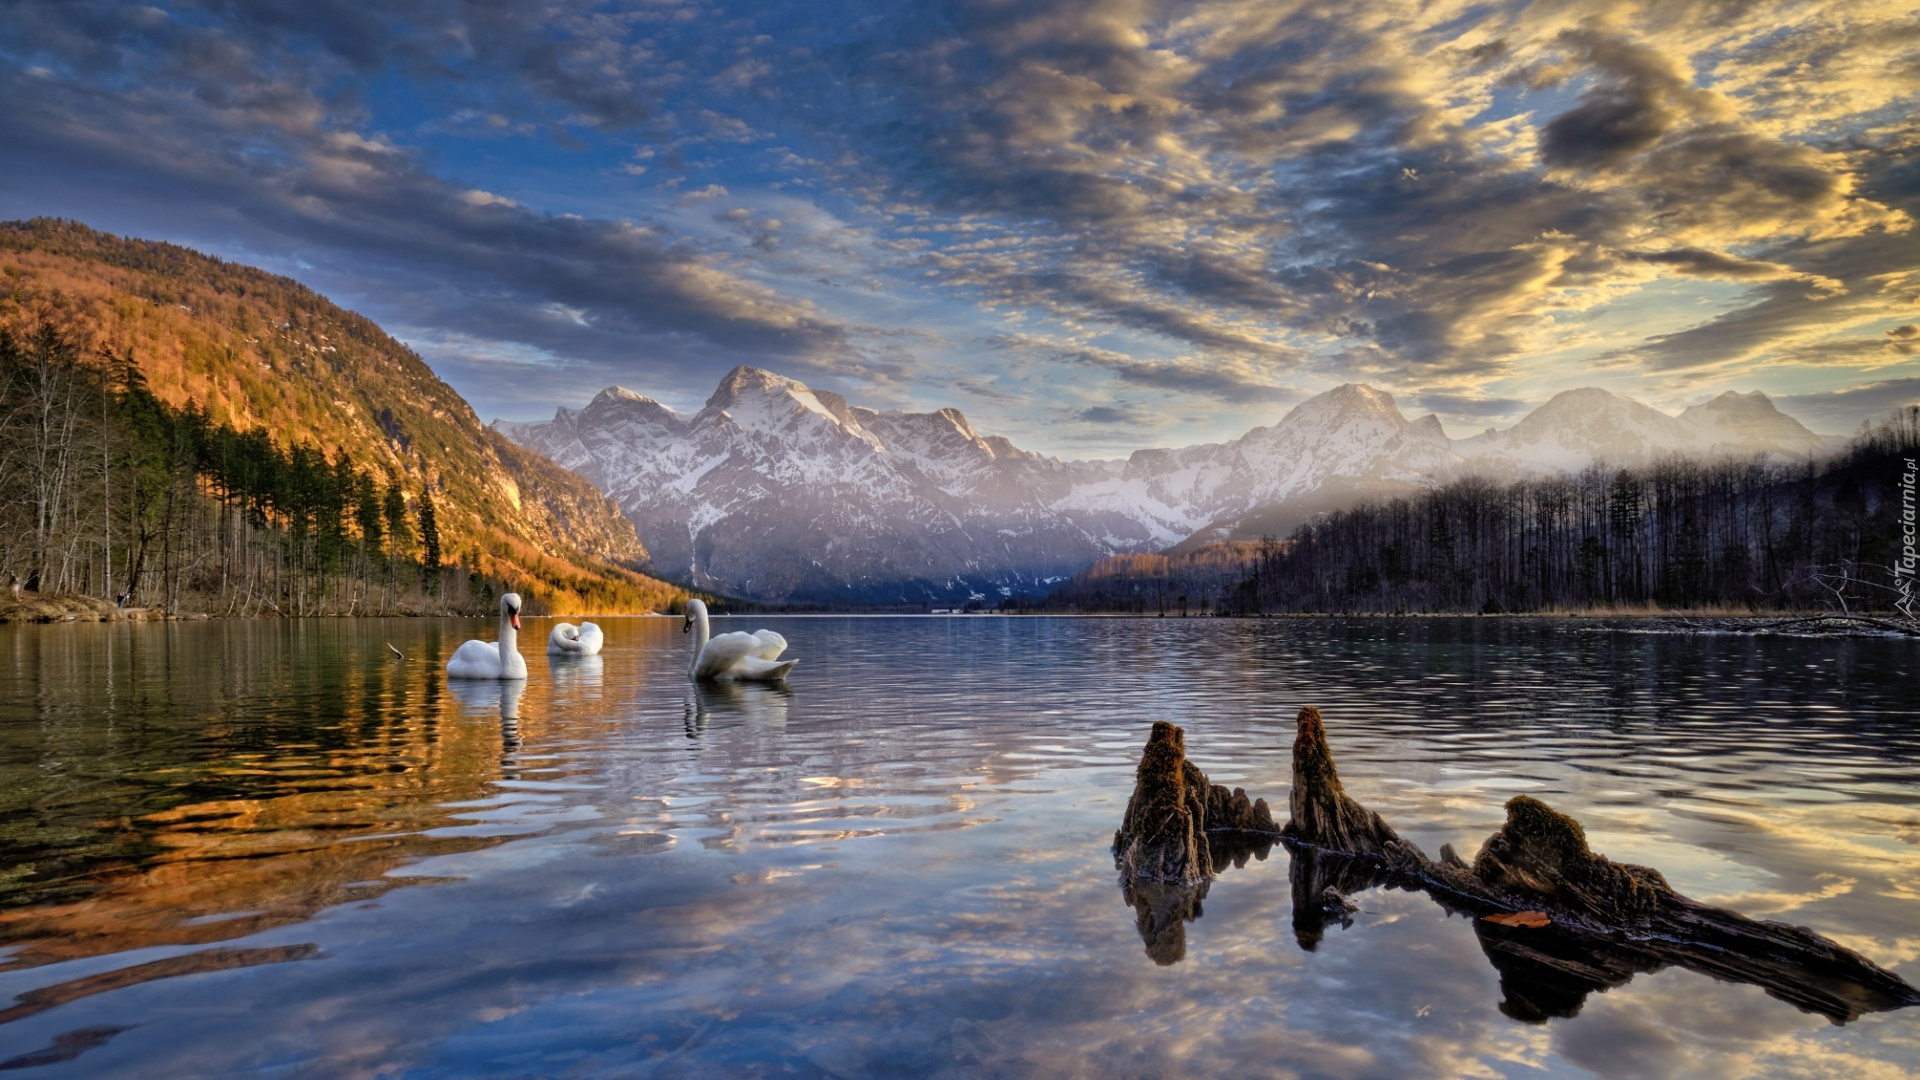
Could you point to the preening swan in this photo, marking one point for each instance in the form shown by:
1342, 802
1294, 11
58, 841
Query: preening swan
739, 655
493, 660
583, 641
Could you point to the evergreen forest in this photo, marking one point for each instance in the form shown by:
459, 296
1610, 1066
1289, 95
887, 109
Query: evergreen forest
108, 492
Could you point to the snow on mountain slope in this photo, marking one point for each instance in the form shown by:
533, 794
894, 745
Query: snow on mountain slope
1350, 441
1577, 428
1735, 424
782, 492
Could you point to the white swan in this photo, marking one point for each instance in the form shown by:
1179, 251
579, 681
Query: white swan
739, 655
493, 660
569, 641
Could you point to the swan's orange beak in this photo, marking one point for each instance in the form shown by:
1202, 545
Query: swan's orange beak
515, 620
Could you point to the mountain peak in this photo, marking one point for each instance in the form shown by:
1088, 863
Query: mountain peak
1733, 403
1736, 422
756, 396
621, 393
743, 381
1360, 394
1579, 397
1429, 428
1344, 402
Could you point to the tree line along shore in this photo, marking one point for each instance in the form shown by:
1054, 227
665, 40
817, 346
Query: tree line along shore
1730, 537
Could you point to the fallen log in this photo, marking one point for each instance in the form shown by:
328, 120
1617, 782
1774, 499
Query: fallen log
1555, 919
1606, 921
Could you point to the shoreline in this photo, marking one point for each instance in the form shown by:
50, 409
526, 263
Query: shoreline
52, 608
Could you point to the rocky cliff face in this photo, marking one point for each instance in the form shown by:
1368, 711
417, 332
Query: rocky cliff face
782, 492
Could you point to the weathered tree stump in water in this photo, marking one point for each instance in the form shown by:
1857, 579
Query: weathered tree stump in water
1322, 813
1161, 838
1180, 830
1555, 919
1592, 923
1164, 834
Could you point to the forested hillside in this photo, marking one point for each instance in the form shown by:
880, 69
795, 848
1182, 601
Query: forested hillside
213, 437
1680, 533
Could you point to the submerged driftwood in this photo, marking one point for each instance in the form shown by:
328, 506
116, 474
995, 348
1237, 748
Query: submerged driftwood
1555, 919
1559, 921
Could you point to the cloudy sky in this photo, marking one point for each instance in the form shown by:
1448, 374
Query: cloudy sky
1090, 225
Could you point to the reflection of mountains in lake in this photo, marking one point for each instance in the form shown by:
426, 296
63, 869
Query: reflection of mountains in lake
1556, 921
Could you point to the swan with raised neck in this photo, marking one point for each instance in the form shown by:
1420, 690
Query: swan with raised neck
500, 659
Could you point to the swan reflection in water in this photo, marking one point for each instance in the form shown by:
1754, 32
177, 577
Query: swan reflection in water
760, 704
575, 676
476, 696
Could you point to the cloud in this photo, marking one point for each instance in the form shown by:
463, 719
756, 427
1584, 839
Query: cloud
209, 122
1231, 197
1637, 98
1466, 407
1698, 262
1122, 413
1241, 383
1253, 183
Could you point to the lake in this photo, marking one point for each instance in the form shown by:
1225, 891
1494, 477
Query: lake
261, 848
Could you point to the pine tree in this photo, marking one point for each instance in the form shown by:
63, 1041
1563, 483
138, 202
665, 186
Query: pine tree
429, 542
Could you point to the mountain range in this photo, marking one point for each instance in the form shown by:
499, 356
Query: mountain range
774, 490
781, 492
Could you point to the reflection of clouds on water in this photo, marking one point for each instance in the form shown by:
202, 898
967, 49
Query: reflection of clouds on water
760, 704
904, 873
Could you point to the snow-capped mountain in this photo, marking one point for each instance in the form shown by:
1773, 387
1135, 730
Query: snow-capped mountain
782, 492
1736, 424
1331, 450
1577, 428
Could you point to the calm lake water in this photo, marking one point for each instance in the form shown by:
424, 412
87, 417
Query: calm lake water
268, 848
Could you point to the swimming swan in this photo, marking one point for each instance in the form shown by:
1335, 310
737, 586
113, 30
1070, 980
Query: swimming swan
739, 655
568, 641
493, 660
